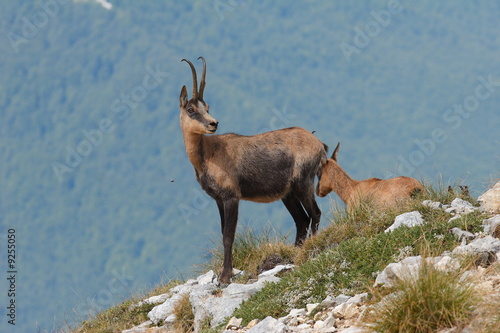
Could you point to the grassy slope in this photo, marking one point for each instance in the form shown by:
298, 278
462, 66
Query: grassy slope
342, 258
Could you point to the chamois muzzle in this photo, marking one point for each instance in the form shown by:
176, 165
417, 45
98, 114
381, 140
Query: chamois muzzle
213, 126
320, 191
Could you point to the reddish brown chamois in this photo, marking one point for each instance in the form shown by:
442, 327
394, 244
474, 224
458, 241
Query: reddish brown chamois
275, 165
376, 191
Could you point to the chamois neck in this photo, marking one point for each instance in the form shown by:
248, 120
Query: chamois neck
194, 148
344, 184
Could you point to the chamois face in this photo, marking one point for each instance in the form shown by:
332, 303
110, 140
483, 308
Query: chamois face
327, 181
194, 115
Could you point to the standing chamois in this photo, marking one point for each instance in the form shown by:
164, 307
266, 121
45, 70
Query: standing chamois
275, 165
379, 192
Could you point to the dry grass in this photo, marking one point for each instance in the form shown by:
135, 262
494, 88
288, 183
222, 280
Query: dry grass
486, 317
425, 303
363, 221
183, 312
250, 249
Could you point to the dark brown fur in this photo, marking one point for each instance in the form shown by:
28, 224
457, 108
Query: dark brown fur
275, 165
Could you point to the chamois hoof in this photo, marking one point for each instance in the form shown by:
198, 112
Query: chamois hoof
225, 279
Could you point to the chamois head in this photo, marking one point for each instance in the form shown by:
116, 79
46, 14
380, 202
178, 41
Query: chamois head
194, 112
328, 181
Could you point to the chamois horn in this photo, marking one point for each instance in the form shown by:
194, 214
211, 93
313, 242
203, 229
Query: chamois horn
202, 82
195, 80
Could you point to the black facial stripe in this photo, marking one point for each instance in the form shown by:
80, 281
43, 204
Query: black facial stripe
196, 115
200, 117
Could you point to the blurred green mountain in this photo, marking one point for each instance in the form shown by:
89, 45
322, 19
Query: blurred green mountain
93, 171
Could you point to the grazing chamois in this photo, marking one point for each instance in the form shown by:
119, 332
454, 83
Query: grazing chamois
275, 165
379, 192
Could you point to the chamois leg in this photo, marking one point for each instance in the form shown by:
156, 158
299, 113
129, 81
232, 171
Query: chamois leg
305, 193
230, 220
313, 211
220, 205
292, 203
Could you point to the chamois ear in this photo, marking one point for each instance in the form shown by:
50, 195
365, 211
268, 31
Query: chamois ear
183, 98
335, 152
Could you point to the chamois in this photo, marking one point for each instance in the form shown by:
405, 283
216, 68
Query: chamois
379, 192
266, 167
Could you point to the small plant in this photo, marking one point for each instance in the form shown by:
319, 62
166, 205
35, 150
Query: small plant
430, 301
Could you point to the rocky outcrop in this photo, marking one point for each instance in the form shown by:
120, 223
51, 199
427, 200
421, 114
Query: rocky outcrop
208, 300
339, 313
490, 200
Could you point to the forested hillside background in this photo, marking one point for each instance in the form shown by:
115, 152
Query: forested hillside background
93, 172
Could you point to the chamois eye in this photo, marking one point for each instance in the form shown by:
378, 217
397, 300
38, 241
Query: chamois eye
190, 110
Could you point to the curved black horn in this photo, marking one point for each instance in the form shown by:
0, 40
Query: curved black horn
195, 80
202, 82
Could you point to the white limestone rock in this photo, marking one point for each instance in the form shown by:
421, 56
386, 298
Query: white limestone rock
205, 305
268, 325
346, 311
481, 245
460, 206
490, 200
492, 226
432, 204
311, 307
207, 278
462, 234
276, 270
358, 299
410, 219
409, 268
234, 323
